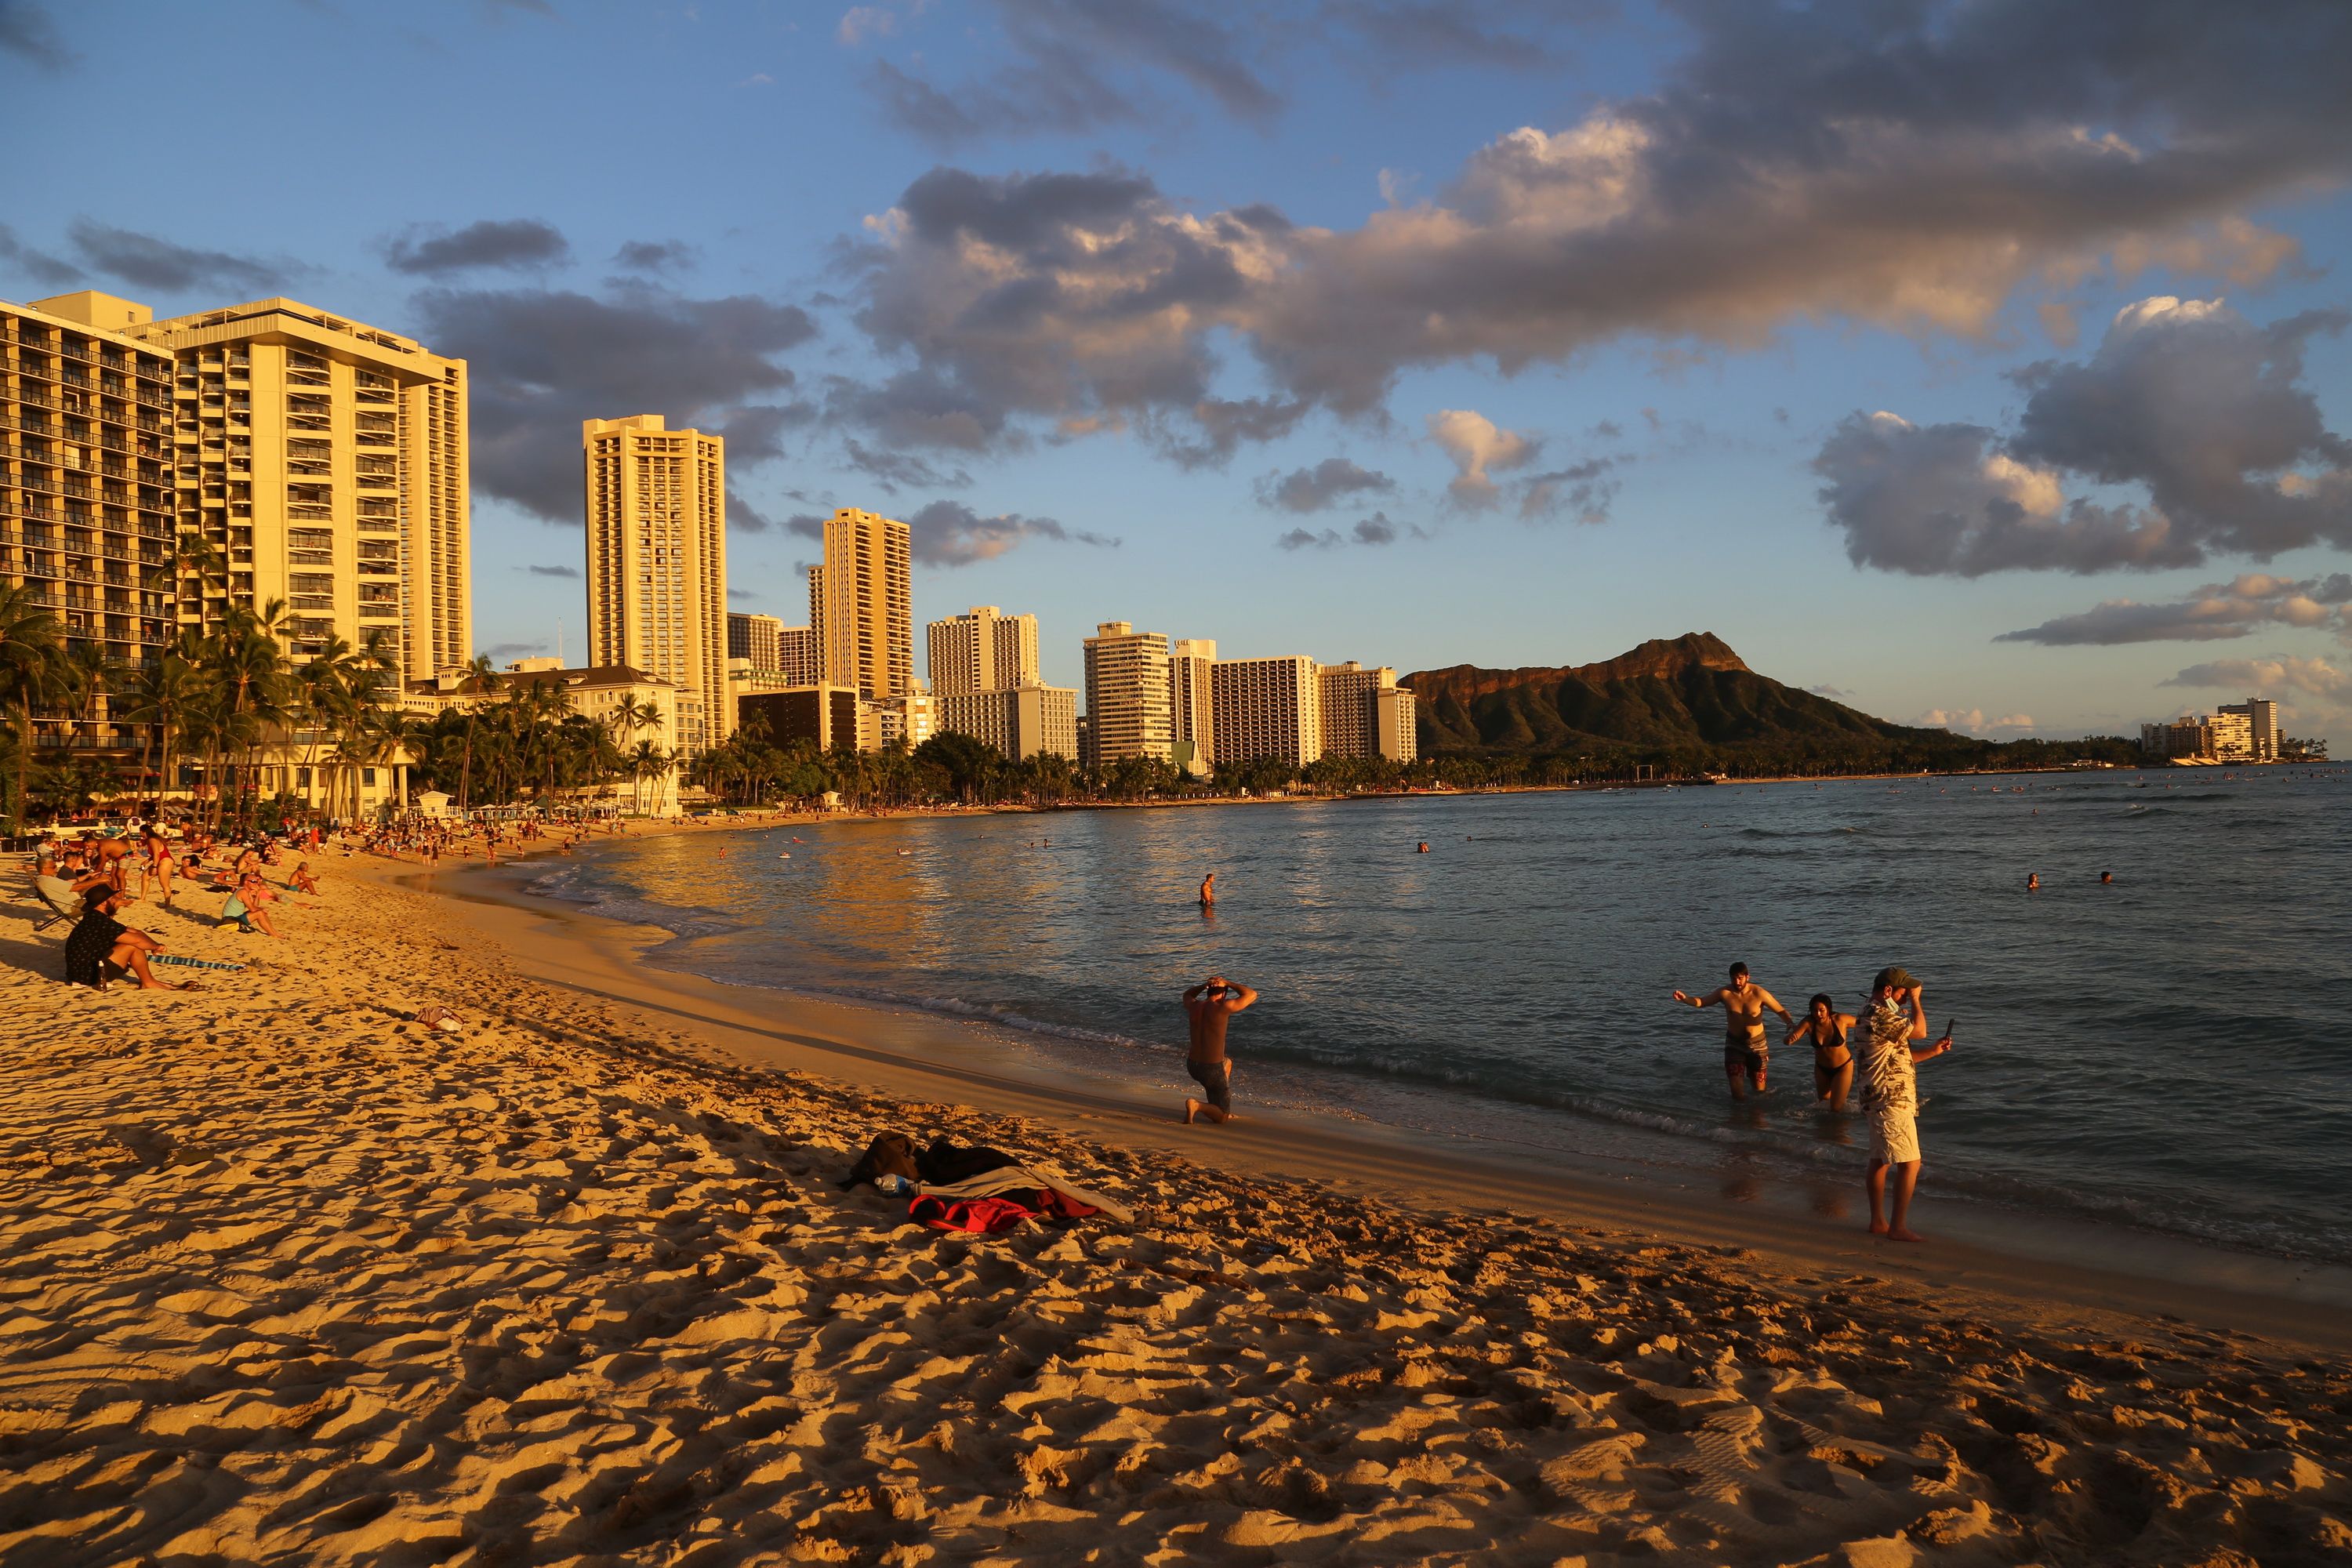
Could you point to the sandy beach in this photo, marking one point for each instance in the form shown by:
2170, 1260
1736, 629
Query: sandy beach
289, 1279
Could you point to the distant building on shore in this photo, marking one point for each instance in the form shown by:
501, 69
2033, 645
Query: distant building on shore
656, 505
2244, 731
1127, 694
1266, 708
1022, 721
824, 716
861, 605
1191, 713
982, 649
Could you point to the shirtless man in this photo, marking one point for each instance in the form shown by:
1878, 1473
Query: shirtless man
1746, 1052
1208, 1006
1208, 889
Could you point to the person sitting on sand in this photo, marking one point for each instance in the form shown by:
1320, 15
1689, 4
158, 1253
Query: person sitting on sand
1746, 1052
1207, 1006
302, 879
102, 948
1891, 1095
245, 906
1826, 1029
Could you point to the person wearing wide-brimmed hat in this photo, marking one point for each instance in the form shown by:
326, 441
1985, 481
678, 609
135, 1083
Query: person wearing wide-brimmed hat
1890, 1087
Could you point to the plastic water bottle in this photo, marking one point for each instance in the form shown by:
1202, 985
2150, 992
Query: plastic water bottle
893, 1185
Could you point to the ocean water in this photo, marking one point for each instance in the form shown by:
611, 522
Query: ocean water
2172, 1051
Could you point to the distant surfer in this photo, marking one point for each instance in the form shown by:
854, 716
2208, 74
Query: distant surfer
1746, 1053
1207, 1006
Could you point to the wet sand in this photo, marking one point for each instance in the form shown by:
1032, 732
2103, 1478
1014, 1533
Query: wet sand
287, 1277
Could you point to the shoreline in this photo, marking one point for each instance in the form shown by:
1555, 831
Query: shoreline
2090, 1265
291, 1277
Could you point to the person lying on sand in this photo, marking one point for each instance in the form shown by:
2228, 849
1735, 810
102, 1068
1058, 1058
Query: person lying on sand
1746, 1053
102, 948
1891, 1095
1207, 1006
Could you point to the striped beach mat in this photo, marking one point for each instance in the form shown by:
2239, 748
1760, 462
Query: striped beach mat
194, 962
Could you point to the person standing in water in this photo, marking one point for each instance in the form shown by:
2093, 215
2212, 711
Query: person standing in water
1207, 1006
1890, 1091
1825, 1027
1746, 1053
1208, 889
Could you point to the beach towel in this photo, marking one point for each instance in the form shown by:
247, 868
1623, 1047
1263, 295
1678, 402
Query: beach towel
194, 962
983, 1216
1017, 1180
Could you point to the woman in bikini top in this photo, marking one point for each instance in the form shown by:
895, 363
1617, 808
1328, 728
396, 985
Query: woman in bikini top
1826, 1027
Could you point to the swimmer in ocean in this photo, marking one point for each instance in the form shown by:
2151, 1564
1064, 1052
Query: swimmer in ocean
1208, 889
1746, 1052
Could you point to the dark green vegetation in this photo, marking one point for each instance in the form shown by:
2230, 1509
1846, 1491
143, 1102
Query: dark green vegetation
1690, 706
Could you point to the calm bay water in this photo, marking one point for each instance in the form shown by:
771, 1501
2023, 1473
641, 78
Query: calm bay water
2171, 1051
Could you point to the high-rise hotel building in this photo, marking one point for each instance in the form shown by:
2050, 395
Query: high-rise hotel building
1191, 724
325, 462
86, 482
1127, 694
658, 564
983, 649
1269, 708
862, 604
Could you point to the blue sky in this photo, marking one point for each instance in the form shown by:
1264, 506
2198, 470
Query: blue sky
1567, 323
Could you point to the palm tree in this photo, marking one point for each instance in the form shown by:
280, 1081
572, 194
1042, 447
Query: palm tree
31, 657
162, 695
480, 670
195, 556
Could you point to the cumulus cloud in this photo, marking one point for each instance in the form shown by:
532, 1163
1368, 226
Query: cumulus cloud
1327, 484
153, 263
2215, 613
545, 360
1773, 176
950, 533
552, 570
860, 22
2283, 672
1972, 722
1479, 447
892, 470
2201, 410
1582, 493
742, 516
502, 242
28, 32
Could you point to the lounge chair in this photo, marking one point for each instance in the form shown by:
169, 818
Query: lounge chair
55, 895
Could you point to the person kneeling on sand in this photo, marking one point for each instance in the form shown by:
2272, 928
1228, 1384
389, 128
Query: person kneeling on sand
1891, 1096
1207, 1006
102, 948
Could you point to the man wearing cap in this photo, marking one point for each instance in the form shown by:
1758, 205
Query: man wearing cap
1207, 1006
103, 946
1890, 1087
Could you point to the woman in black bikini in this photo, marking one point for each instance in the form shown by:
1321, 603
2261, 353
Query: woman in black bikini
1825, 1026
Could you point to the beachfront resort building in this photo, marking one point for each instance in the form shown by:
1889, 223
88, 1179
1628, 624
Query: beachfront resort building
638, 708
768, 648
1021, 721
982, 649
1366, 713
87, 494
1191, 733
324, 461
2237, 732
824, 716
656, 504
862, 604
1266, 708
1126, 693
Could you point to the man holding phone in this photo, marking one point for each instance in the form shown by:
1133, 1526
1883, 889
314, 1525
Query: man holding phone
1207, 1005
1891, 1095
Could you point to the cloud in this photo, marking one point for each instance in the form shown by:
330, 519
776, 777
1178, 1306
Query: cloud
153, 263
2280, 672
1582, 493
654, 254
1374, 530
1972, 722
755, 433
499, 650
860, 22
1077, 67
543, 361
509, 243
1773, 176
1832, 692
2198, 409
1327, 483
552, 570
2215, 613
37, 265
28, 32
807, 524
950, 533
742, 516
894, 469
1478, 447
